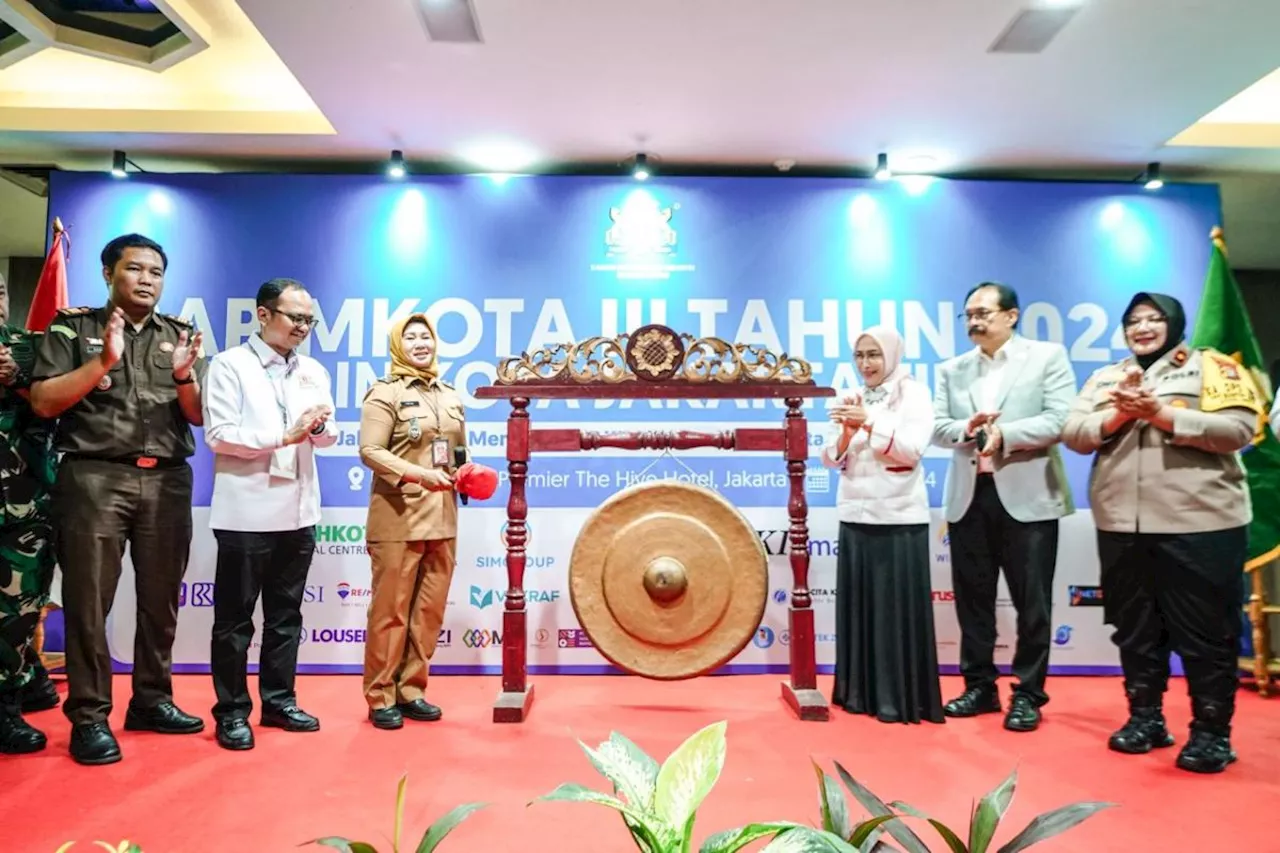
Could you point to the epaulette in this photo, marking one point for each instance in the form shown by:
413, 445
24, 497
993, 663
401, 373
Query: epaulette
75, 312
180, 321
445, 384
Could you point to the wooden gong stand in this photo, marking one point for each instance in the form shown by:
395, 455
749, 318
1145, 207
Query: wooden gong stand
526, 379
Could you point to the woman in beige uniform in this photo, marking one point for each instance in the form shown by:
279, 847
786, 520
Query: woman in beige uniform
410, 424
1171, 506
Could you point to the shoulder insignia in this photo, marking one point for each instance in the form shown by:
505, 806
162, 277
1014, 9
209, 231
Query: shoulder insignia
444, 384
75, 312
65, 331
178, 321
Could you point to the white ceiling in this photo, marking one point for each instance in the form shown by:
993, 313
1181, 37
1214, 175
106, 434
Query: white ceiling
821, 82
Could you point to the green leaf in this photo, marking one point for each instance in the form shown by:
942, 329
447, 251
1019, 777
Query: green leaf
835, 811
990, 811
803, 839
399, 821
953, 841
572, 792
1053, 823
638, 835
632, 771
863, 831
688, 775
900, 832
446, 824
732, 840
343, 844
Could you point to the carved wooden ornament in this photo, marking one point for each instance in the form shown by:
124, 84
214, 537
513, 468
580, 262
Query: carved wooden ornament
669, 580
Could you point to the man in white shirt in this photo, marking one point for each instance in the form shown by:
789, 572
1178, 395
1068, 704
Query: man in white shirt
1001, 407
266, 408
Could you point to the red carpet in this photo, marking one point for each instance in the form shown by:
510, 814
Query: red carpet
185, 795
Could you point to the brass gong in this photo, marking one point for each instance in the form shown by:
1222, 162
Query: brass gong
668, 579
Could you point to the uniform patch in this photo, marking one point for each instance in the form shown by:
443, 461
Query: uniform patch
165, 346
65, 331
104, 383
307, 381
1180, 358
1178, 404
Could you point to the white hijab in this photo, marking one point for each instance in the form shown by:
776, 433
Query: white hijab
895, 372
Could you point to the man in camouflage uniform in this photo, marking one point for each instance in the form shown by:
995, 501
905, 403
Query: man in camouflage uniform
27, 464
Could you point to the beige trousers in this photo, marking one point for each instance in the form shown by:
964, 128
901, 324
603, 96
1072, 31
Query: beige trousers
410, 591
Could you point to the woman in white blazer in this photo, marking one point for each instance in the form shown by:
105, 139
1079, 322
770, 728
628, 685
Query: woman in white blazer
886, 654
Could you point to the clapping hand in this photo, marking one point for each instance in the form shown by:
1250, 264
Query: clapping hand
8, 367
185, 354
113, 339
1139, 403
309, 421
849, 413
980, 420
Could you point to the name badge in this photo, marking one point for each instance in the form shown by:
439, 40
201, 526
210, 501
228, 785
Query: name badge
440, 453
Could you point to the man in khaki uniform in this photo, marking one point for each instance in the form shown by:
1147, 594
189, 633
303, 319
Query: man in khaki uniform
1171, 504
124, 381
412, 435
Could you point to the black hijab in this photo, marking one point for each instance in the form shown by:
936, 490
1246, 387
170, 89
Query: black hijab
1175, 319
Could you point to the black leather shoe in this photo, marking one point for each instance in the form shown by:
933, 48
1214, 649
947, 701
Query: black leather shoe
40, 694
291, 718
1023, 714
1144, 731
16, 736
1209, 749
234, 733
165, 718
420, 710
972, 702
94, 744
386, 718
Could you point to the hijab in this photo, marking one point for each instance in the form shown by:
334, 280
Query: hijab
894, 370
1175, 320
400, 364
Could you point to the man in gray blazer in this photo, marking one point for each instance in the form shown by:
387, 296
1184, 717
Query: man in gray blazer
1001, 407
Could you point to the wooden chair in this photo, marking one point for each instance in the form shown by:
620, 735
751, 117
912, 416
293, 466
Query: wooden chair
1263, 665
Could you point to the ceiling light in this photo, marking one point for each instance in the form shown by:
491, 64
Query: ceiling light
641, 170
882, 168
1151, 177
395, 166
117, 164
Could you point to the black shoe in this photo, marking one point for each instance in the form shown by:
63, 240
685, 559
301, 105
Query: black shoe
40, 694
234, 733
93, 744
386, 718
420, 710
1023, 714
291, 718
16, 736
972, 702
1145, 729
165, 718
1209, 749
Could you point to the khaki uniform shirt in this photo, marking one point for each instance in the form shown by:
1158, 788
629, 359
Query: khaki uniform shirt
399, 421
134, 410
1145, 480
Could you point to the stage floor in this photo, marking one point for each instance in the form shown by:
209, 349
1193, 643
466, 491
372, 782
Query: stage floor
182, 794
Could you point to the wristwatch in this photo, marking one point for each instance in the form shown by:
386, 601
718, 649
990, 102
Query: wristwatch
190, 378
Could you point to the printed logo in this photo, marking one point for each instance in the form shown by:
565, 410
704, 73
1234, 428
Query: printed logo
338, 635
780, 596
444, 639
480, 638
946, 595
640, 240
1085, 596
344, 589
777, 543
573, 638
764, 637
195, 594
313, 594
482, 598
1062, 635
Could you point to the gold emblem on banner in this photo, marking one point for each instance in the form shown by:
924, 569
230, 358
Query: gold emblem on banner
669, 580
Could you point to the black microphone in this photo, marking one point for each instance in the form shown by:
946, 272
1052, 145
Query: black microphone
460, 459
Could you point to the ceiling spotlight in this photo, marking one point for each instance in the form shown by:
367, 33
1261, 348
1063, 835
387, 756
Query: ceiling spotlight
640, 171
882, 168
1151, 177
118, 161
395, 166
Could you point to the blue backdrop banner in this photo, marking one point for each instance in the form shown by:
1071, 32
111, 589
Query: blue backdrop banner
507, 265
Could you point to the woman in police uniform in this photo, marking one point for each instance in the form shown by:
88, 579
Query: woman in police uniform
411, 423
1171, 506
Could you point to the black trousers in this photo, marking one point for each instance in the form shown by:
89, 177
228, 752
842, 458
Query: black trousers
985, 541
274, 565
1175, 593
100, 507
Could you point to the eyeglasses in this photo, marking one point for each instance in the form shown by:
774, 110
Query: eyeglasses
982, 314
302, 320
1149, 319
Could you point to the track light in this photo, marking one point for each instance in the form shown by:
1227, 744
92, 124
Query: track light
395, 166
641, 169
1151, 177
118, 161
882, 167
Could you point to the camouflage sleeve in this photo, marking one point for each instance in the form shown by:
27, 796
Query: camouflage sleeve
23, 346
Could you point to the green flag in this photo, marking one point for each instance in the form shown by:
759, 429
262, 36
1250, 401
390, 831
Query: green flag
1222, 322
